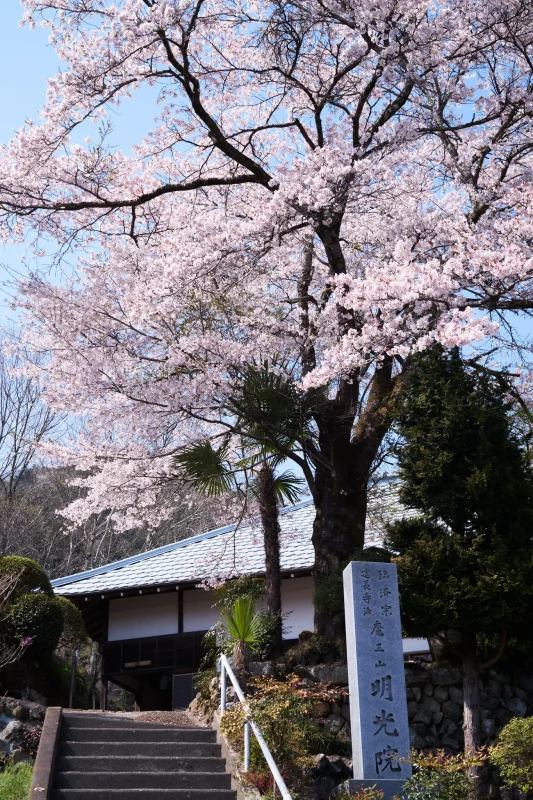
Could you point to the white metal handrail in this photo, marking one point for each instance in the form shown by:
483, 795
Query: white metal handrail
249, 724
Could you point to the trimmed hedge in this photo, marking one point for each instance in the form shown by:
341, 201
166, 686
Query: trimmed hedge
39, 617
32, 578
74, 633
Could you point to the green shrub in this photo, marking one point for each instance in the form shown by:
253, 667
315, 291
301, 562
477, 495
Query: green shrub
15, 781
32, 578
74, 633
265, 635
54, 681
281, 720
253, 588
440, 776
39, 617
513, 754
123, 701
246, 586
312, 648
283, 711
363, 793
217, 641
430, 784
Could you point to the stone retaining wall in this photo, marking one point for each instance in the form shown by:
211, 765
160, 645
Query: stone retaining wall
434, 702
434, 698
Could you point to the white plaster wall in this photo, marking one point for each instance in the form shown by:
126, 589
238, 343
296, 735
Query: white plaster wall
145, 615
157, 615
297, 602
198, 611
415, 646
296, 598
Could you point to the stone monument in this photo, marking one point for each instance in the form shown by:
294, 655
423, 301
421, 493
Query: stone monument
378, 704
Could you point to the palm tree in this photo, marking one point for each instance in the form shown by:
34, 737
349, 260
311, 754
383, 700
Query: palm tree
253, 470
267, 495
242, 625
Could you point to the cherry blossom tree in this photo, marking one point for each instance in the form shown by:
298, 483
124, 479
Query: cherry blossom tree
330, 187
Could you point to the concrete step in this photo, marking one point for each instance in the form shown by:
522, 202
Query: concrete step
109, 757
92, 719
142, 780
139, 763
143, 794
135, 749
136, 734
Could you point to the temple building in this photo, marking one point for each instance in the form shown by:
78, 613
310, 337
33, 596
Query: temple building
150, 612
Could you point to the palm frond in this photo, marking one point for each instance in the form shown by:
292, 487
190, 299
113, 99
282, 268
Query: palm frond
269, 407
289, 487
253, 491
242, 623
251, 461
276, 459
206, 468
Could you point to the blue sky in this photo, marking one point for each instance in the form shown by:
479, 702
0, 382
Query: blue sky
26, 60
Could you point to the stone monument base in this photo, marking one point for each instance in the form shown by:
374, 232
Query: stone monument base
390, 788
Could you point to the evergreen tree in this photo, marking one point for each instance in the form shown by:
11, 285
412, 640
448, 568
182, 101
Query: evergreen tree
466, 563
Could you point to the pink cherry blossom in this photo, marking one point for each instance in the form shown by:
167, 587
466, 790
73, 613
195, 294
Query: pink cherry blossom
329, 186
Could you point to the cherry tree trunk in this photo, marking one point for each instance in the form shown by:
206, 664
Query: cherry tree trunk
268, 509
347, 454
339, 529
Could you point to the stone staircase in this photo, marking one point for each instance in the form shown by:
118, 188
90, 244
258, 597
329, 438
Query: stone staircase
105, 757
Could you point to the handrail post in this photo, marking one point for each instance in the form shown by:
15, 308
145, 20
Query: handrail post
222, 686
225, 668
246, 746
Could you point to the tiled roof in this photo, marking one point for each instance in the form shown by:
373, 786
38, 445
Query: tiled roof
229, 550
237, 549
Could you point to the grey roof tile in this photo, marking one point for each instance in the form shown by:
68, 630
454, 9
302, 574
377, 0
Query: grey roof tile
233, 549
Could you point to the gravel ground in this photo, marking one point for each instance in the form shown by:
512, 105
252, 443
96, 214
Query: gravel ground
181, 718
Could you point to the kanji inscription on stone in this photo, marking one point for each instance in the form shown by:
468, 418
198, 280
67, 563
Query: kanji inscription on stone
378, 705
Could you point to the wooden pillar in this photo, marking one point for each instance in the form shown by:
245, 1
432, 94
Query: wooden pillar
73, 670
103, 694
180, 610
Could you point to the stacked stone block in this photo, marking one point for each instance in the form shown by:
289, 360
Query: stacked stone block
434, 702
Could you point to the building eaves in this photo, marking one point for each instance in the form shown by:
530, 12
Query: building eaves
84, 582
